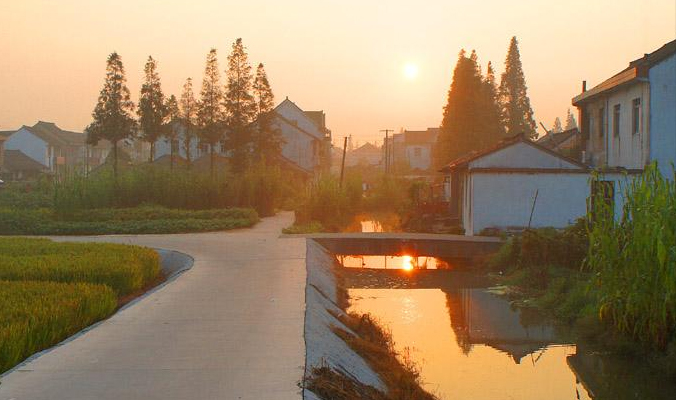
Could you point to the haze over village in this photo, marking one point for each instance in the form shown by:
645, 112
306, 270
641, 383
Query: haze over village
337, 200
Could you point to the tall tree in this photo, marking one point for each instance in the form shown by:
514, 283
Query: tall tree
493, 130
152, 109
188, 118
516, 110
210, 114
172, 128
267, 140
570, 121
239, 106
557, 126
112, 116
462, 127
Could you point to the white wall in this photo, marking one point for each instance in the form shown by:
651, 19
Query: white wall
289, 111
521, 155
30, 145
423, 161
663, 113
627, 150
505, 199
297, 146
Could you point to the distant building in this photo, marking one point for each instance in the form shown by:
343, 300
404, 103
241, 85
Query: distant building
568, 143
368, 155
18, 167
628, 120
411, 149
55, 148
307, 140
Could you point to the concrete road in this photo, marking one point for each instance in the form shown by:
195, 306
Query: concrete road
229, 328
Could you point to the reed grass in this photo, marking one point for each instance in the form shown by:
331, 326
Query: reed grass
633, 259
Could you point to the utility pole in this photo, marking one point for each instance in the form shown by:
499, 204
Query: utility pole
342, 166
387, 148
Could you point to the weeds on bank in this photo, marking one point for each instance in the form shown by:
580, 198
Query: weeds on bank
374, 344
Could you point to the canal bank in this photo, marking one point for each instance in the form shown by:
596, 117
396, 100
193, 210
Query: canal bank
467, 341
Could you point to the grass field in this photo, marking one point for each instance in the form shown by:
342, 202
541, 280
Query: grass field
49, 290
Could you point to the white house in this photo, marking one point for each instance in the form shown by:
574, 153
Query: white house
629, 120
500, 187
412, 148
307, 141
56, 148
366, 155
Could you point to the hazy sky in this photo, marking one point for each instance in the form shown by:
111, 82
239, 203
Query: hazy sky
345, 57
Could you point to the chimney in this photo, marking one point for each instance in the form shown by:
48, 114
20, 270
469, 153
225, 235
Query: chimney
584, 86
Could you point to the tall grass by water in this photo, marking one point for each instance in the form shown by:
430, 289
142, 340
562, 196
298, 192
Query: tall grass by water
633, 259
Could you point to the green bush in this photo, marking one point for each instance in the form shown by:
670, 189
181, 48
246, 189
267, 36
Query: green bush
123, 268
37, 315
145, 219
326, 202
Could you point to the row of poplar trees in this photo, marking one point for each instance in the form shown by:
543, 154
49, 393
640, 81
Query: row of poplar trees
478, 112
238, 115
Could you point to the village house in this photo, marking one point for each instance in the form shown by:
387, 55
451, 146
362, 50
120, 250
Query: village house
366, 155
519, 183
55, 148
306, 140
411, 149
629, 120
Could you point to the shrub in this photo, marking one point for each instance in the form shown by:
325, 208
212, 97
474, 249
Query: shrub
146, 219
36, 315
123, 268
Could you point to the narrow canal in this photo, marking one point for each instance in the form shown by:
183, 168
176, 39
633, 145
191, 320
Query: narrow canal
470, 343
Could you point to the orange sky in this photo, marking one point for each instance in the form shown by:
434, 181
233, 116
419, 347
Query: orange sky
345, 57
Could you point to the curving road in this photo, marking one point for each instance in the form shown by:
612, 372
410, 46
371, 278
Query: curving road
229, 328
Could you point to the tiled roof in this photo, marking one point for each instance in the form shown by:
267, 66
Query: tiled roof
463, 161
16, 160
637, 69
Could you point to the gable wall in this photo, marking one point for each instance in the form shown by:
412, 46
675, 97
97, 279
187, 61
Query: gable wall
662, 113
30, 145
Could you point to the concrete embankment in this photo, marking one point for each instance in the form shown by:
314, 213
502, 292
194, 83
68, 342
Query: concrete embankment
323, 347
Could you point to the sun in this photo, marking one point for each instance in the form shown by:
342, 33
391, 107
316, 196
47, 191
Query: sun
411, 71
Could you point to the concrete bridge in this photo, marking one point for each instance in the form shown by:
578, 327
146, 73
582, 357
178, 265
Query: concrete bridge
454, 247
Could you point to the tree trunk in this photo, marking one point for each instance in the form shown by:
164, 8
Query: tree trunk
211, 150
171, 158
115, 162
152, 151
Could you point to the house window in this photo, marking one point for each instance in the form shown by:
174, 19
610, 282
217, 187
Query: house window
602, 121
616, 120
417, 152
636, 116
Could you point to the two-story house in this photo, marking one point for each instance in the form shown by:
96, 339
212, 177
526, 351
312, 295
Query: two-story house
411, 149
629, 120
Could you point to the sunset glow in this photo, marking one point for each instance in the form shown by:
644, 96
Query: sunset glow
407, 263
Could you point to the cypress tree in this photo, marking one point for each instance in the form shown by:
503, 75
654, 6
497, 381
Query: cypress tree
493, 130
462, 125
239, 106
267, 141
152, 109
188, 116
516, 110
210, 115
112, 116
171, 130
557, 126
570, 121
